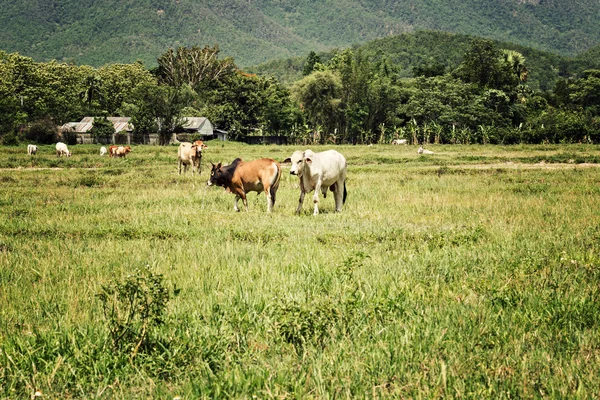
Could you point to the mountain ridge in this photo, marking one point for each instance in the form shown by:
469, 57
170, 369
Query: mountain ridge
256, 31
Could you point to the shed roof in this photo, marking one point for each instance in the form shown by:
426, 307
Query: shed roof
200, 124
120, 124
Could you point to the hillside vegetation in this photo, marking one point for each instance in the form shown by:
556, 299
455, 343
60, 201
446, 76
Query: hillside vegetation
96, 33
431, 48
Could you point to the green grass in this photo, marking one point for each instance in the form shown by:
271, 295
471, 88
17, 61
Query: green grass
473, 272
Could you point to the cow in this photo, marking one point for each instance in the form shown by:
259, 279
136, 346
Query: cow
190, 154
241, 177
200, 144
424, 151
62, 150
103, 150
31, 149
399, 141
122, 151
319, 172
112, 150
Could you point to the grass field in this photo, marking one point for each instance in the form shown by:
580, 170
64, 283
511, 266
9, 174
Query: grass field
470, 273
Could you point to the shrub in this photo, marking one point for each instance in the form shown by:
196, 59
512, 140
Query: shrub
42, 131
133, 308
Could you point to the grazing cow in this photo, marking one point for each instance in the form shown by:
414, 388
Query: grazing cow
241, 177
112, 150
31, 149
62, 150
399, 141
424, 151
102, 150
319, 172
190, 154
122, 151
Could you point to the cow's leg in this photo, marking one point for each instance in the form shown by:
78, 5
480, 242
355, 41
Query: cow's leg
235, 202
180, 167
300, 201
316, 197
269, 199
339, 195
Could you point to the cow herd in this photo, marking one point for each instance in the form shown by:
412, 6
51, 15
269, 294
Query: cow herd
316, 172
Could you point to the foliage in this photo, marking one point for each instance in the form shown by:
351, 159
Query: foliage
43, 131
194, 66
262, 30
102, 128
133, 308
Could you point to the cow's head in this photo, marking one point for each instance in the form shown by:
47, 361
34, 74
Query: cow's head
200, 144
196, 150
215, 174
221, 175
296, 159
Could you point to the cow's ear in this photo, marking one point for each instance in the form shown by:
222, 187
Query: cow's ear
219, 165
287, 160
308, 160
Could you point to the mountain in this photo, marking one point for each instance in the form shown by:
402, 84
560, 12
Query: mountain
97, 32
430, 48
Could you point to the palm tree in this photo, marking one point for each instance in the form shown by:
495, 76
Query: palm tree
517, 63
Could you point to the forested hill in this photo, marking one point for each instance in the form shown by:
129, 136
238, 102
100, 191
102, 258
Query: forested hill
254, 31
429, 49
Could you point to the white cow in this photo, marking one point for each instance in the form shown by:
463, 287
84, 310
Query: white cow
189, 154
399, 141
424, 151
103, 150
31, 149
62, 150
318, 172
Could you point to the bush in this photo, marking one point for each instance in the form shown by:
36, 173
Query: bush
42, 131
133, 308
10, 139
102, 129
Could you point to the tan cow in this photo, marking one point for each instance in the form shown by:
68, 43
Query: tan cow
122, 151
189, 154
241, 177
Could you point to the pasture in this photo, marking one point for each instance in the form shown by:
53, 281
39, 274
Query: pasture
470, 273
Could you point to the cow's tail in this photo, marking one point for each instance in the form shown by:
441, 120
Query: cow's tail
345, 194
275, 185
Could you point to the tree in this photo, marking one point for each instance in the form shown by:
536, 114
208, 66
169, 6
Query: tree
156, 107
487, 67
102, 128
319, 97
311, 61
585, 91
117, 81
194, 66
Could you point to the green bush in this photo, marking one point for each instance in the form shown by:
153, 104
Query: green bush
133, 308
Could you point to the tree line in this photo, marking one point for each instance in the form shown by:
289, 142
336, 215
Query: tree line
349, 98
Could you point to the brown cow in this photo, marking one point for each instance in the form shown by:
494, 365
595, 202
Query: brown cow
241, 177
112, 150
122, 151
200, 144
